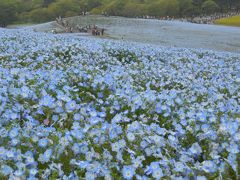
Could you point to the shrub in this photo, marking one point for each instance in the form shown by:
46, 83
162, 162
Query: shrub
209, 7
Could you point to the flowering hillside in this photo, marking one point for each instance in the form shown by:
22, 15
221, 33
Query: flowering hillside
73, 108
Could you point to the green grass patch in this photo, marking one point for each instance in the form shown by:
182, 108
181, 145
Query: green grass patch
231, 21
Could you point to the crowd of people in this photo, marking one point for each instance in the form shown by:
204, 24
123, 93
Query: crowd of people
210, 19
202, 19
94, 29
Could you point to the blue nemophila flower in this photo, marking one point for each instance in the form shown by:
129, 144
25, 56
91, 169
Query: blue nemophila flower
77, 117
14, 142
83, 148
77, 133
128, 172
29, 158
113, 134
201, 116
134, 126
47, 155
195, 149
55, 117
71, 106
143, 144
48, 101
90, 176
153, 166
33, 171
18, 172
180, 167
76, 148
31, 177
159, 108
59, 110
157, 173
115, 146
43, 143
14, 132
237, 137
93, 113
6, 170
131, 137
232, 161
209, 166
83, 164
13, 115
201, 178
233, 148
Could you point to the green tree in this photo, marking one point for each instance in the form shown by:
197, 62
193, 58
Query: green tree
186, 8
39, 15
91, 4
64, 8
46, 3
164, 8
116, 7
7, 12
209, 7
132, 9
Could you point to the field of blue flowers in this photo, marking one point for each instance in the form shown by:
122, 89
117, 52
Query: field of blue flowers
85, 108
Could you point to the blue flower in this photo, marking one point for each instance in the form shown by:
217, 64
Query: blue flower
90, 176
180, 167
201, 117
14, 142
13, 115
83, 164
77, 133
47, 155
143, 144
131, 137
113, 134
59, 110
128, 172
154, 165
233, 148
201, 178
14, 132
71, 106
55, 117
33, 171
18, 172
77, 117
83, 148
75, 148
6, 170
232, 160
43, 143
157, 173
195, 149
48, 101
31, 177
209, 166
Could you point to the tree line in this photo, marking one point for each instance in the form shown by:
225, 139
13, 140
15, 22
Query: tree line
14, 11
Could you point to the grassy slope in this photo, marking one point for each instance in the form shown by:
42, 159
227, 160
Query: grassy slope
232, 21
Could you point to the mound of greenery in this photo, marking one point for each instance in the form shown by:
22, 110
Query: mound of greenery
45, 10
